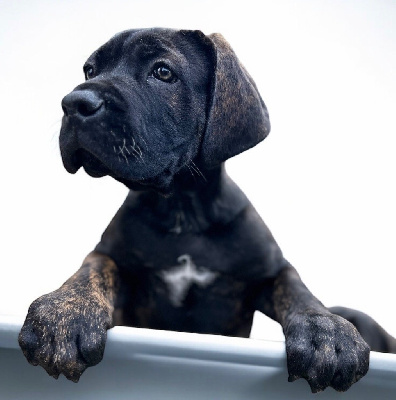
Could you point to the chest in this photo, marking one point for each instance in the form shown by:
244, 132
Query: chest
179, 265
185, 295
180, 278
178, 269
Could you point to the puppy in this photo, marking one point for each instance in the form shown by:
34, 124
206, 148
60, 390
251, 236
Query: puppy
160, 111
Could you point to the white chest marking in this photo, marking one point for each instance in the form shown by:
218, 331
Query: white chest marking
180, 278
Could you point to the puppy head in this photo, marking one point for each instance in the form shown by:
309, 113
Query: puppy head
155, 102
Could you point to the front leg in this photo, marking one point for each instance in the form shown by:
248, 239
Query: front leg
321, 347
65, 330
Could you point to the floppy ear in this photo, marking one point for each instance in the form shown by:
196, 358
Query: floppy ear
238, 118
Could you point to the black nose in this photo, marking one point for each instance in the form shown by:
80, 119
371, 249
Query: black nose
81, 102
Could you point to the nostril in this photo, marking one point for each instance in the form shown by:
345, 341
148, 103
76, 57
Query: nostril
82, 102
87, 108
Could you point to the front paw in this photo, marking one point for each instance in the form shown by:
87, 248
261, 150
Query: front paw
326, 350
65, 332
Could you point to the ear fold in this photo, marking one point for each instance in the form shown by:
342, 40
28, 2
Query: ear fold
238, 118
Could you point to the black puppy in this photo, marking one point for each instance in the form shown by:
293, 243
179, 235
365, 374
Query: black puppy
160, 111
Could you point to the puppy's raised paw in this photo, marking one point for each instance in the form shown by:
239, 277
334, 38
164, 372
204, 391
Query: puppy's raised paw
326, 350
65, 332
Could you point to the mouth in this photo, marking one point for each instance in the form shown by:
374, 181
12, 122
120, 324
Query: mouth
92, 165
140, 175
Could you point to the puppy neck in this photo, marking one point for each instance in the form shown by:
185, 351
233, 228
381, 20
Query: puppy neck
196, 205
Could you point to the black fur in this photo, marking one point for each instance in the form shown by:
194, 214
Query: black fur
161, 111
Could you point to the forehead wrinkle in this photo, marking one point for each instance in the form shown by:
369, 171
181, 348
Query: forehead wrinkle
146, 47
105, 52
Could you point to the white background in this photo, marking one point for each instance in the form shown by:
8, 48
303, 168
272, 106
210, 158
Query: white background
323, 180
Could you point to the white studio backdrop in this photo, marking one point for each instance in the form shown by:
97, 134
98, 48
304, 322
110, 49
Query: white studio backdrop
323, 180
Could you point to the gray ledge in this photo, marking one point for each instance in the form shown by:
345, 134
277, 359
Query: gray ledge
146, 364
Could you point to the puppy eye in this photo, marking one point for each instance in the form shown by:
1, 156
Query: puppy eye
163, 73
88, 72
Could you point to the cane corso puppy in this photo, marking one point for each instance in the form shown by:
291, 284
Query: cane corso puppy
160, 111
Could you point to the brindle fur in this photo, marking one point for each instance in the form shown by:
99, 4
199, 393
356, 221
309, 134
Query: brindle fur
78, 314
167, 141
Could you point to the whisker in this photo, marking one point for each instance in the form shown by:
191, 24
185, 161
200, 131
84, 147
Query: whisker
145, 143
55, 133
136, 149
139, 150
58, 121
125, 157
191, 172
135, 152
198, 171
122, 151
